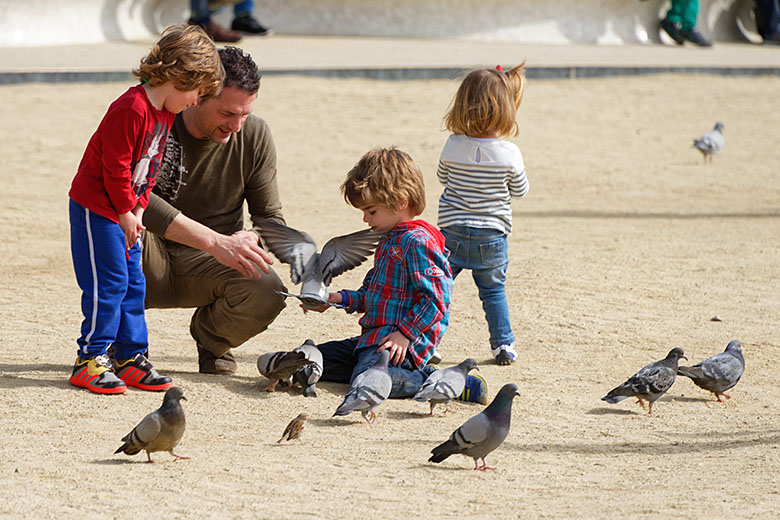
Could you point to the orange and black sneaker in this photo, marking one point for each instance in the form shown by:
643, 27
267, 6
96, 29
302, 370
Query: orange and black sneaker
139, 372
95, 375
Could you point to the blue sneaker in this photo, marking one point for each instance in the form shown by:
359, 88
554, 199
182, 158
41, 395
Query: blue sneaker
504, 354
475, 390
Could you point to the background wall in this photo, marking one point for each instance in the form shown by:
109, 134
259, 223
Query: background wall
57, 22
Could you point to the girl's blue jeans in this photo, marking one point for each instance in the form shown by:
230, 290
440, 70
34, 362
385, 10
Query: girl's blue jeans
484, 252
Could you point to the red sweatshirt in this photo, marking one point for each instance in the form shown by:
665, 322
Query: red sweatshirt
123, 156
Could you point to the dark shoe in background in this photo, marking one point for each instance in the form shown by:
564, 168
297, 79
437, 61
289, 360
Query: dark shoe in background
217, 32
249, 25
674, 30
696, 38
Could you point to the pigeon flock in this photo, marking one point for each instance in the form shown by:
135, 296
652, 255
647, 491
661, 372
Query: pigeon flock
479, 436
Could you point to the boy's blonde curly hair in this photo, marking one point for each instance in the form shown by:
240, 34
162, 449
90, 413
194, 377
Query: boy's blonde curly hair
487, 102
387, 177
185, 55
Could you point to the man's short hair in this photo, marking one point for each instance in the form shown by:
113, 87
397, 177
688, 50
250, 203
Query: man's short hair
240, 69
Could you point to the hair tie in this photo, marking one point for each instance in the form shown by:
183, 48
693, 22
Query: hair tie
499, 68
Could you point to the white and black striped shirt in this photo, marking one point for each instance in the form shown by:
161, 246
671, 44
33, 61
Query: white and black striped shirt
480, 176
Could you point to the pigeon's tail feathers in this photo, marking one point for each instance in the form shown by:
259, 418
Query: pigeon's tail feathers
444, 450
132, 444
612, 399
692, 372
310, 391
348, 406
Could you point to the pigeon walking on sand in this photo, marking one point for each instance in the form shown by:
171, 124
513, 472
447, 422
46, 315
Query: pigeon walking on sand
711, 142
369, 389
650, 383
446, 384
310, 374
483, 433
280, 367
316, 270
161, 430
719, 372
294, 428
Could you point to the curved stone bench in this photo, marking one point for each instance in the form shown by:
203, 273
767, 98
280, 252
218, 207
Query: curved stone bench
57, 22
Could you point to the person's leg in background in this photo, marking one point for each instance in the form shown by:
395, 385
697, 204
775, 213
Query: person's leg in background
245, 22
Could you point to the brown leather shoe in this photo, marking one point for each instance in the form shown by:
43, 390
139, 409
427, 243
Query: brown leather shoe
208, 363
219, 33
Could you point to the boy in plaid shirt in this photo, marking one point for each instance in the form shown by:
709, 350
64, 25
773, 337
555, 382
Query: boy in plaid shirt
405, 298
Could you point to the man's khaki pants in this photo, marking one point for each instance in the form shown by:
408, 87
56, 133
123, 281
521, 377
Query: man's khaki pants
230, 308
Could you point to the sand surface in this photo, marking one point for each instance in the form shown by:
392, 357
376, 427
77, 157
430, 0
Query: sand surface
626, 246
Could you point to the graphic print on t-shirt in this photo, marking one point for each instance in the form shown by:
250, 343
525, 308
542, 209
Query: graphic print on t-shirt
146, 168
169, 178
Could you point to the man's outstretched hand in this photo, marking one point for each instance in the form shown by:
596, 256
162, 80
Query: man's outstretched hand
242, 252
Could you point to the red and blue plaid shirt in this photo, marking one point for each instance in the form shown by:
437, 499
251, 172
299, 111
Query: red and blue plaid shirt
409, 289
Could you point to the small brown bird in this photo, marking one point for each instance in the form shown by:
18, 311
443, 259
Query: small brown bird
294, 429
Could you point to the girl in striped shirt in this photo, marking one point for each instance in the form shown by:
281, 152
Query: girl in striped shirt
481, 172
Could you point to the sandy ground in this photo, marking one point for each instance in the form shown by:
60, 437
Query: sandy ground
626, 246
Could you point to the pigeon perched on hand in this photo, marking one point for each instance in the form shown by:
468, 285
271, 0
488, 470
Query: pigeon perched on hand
310, 374
483, 433
316, 270
719, 372
443, 385
161, 430
650, 383
369, 389
711, 142
280, 366
294, 428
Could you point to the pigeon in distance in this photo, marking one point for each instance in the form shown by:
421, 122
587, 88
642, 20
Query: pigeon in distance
294, 428
280, 366
719, 372
650, 383
316, 270
308, 375
443, 385
368, 390
483, 433
711, 142
161, 430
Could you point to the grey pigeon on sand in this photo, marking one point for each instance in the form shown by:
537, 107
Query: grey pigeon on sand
368, 390
316, 270
711, 142
161, 430
650, 383
483, 433
294, 428
719, 372
309, 375
280, 366
446, 384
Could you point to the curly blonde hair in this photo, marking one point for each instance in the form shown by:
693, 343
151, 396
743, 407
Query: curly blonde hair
185, 55
486, 103
387, 177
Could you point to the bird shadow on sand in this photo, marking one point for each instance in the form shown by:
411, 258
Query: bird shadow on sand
441, 467
603, 410
340, 422
683, 399
399, 415
116, 462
